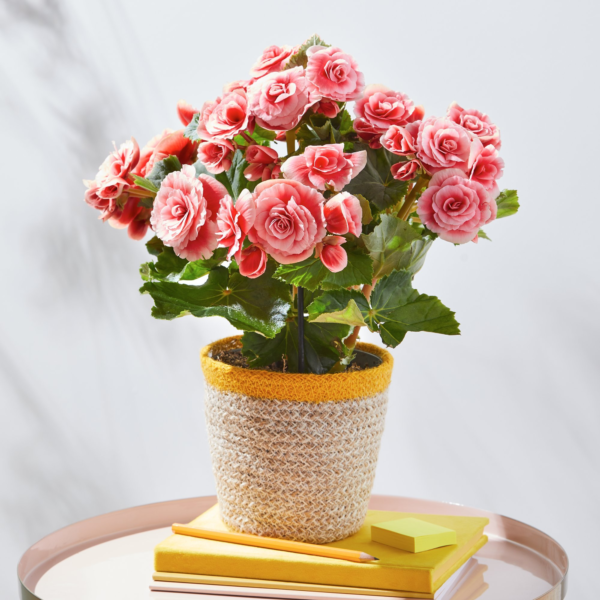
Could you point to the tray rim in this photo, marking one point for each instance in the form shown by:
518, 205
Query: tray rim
71, 539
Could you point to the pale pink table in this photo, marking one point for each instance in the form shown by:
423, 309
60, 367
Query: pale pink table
110, 557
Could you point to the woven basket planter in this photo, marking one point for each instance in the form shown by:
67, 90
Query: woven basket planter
294, 455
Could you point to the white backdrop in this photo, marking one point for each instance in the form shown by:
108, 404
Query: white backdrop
101, 405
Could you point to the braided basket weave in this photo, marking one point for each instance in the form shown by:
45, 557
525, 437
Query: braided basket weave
294, 455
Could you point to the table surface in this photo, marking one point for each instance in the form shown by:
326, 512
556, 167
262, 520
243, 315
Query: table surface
111, 556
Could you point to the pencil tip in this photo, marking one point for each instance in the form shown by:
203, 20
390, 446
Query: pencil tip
375, 558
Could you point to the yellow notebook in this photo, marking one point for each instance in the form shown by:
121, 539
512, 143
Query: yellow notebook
396, 569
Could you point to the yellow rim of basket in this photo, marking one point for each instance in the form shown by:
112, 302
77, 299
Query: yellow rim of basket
303, 387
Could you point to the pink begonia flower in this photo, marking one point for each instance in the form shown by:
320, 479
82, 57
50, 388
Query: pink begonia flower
399, 140
322, 166
186, 112
261, 154
279, 100
413, 129
367, 133
252, 261
225, 117
238, 84
442, 144
131, 216
488, 168
405, 171
185, 211
216, 156
329, 108
107, 204
257, 171
381, 108
147, 152
331, 253
234, 222
289, 220
343, 214
126, 210
263, 163
417, 114
113, 178
137, 229
455, 207
477, 123
110, 188
334, 73
120, 163
271, 60
168, 143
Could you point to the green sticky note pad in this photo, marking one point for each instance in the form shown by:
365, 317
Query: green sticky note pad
412, 535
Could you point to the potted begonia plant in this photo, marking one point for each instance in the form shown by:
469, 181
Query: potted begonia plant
300, 224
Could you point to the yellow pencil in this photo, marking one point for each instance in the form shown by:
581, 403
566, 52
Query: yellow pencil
273, 543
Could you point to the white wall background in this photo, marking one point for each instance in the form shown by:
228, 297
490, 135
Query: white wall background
101, 406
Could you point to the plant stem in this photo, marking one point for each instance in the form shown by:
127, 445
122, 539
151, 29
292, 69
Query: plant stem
248, 138
290, 140
141, 193
410, 197
350, 341
300, 299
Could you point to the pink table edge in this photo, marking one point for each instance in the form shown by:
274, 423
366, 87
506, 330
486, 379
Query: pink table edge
65, 542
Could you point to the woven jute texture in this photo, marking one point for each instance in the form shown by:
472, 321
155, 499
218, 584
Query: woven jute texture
294, 469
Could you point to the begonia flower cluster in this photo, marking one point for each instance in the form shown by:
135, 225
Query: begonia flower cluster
296, 205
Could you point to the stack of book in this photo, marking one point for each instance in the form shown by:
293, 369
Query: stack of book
192, 565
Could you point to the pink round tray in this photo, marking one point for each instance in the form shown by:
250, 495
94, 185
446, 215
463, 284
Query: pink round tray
111, 556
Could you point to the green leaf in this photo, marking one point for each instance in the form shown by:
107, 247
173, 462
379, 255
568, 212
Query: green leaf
325, 132
162, 168
306, 136
199, 268
397, 308
323, 346
365, 206
234, 179
358, 271
375, 181
155, 246
260, 304
191, 131
170, 267
342, 306
263, 134
508, 203
309, 273
324, 128
345, 122
146, 202
167, 267
390, 245
414, 258
483, 235
144, 183
300, 59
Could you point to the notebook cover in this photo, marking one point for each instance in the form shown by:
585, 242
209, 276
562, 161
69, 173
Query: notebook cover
281, 590
396, 570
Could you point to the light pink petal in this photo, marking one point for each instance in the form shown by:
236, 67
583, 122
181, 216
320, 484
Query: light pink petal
441, 176
358, 161
296, 168
334, 258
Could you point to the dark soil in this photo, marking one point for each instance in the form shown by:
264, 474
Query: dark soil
234, 357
